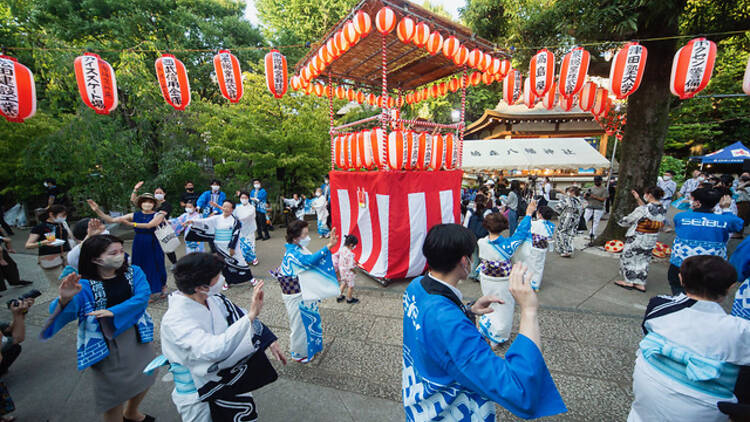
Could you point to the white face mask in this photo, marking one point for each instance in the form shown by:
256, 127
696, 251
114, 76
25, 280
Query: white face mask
701, 178
304, 241
189, 210
159, 196
147, 206
112, 261
667, 177
45, 184
256, 185
215, 188
317, 194
59, 219
244, 201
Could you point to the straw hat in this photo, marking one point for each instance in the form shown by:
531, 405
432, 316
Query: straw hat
145, 197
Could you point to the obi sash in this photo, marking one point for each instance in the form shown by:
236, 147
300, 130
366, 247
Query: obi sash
703, 374
223, 235
649, 226
289, 284
498, 269
183, 381
540, 242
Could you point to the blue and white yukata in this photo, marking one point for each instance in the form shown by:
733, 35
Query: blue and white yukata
494, 272
246, 215
176, 223
306, 279
741, 261
319, 205
206, 347
688, 361
450, 373
533, 251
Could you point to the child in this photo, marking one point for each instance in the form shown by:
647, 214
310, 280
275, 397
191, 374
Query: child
191, 213
533, 252
344, 263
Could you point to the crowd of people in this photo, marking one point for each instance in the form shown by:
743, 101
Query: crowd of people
691, 365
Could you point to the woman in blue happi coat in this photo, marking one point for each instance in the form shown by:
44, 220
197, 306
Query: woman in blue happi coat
108, 299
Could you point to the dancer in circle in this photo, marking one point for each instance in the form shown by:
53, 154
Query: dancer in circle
570, 209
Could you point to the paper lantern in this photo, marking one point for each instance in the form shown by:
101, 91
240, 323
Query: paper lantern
451, 45
421, 34
504, 67
626, 71
318, 89
443, 88
437, 158
587, 96
566, 103
17, 90
364, 148
340, 92
323, 54
331, 48
340, 153
548, 101
434, 91
451, 151
96, 83
362, 23
350, 33
360, 97
488, 78
434, 43
378, 143
341, 43
276, 72
410, 137
600, 102
494, 66
746, 79
405, 29
350, 94
453, 85
308, 89
173, 81
692, 68
542, 71
295, 83
486, 63
318, 64
424, 151
372, 99
396, 150
461, 56
575, 66
475, 78
391, 102
409, 98
354, 144
385, 20
476, 57
529, 97
418, 96
512, 87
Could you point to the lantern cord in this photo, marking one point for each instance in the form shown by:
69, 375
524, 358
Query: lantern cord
142, 50
330, 114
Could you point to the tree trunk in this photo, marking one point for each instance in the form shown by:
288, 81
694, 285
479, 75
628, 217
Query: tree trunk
642, 145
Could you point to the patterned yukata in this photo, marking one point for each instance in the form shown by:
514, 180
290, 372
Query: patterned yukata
494, 273
533, 251
645, 223
344, 261
176, 223
570, 209
246, 215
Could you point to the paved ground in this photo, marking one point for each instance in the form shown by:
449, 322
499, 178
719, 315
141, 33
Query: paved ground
590, 331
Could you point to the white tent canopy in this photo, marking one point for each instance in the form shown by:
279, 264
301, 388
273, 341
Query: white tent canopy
531, 153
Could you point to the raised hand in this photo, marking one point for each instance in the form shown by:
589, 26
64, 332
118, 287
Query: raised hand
94, 206
138, 185
531, 208
95, 227
482, 305
333, 239
69, 287
520, 288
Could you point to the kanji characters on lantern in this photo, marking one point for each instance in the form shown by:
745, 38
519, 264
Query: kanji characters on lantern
541, 71
229, 75
573, 72
512, 87
96, 83
692, 68
17, 90
626, 71
276, 73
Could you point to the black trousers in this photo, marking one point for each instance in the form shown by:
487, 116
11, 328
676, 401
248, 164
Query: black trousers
10, 354
8, 272
673, 275
260, 221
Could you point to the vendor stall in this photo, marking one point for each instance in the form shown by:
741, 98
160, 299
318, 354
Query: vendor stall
729, 159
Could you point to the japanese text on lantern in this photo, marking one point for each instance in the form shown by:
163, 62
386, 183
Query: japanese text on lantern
541, 71
278, 72
173, 82
632, 63
8, 90
226, 67
94, 82
697, 65
572, 76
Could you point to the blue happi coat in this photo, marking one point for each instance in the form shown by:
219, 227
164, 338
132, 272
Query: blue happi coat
702, 233
451, 373
741, 261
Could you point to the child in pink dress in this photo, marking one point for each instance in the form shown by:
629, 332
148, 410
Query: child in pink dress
344, 262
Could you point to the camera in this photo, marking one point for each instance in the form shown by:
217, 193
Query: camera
31, 294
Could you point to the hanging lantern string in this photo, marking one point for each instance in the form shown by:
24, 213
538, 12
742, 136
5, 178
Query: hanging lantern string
670, 37
141, 50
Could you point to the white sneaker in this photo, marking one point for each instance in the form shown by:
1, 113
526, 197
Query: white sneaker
255, 261
225, 287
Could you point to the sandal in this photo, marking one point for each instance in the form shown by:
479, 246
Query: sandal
637, 289
624, 286
148, 418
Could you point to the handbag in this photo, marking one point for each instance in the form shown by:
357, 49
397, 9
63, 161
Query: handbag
168, 240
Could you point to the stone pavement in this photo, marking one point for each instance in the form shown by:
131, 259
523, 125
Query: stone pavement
590, 332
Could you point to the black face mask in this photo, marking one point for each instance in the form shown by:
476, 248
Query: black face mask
189, 190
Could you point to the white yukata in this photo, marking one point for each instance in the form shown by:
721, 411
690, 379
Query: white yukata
206, 352
319, 206
226, 236
246, 215
494, 273
688, 361
533, 251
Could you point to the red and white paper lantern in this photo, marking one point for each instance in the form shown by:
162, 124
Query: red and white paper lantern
461, 56
421, 34
229, 75
424, 151
575, 66
542, 71
397, 151
626, 71
567, 103
341, 42
451, 151
276, 73
601, 103
494, 66
512, 87
339, 153
17, 90
173, 81
96, 83
434, 43
692, 68
453, 85
451, 45
405, 29
378, 144
548, 101
362, 23
504, 67
438, 152
331, 48
364, 148
385, 20
587, 96
476, 58
529, 97
350, 33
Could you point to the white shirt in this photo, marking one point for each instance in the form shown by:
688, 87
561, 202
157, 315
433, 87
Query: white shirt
453, 289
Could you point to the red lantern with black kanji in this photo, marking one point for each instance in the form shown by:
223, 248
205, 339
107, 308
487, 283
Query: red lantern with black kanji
173, 81
626, 71
276, 72
566, 103
541, 72
385, 20
405, 29
17, 90
573, 71
587, 96
96, 83
692, 68
229, 75
512, 87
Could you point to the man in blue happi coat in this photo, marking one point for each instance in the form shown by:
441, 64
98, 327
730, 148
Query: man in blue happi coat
449, 372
